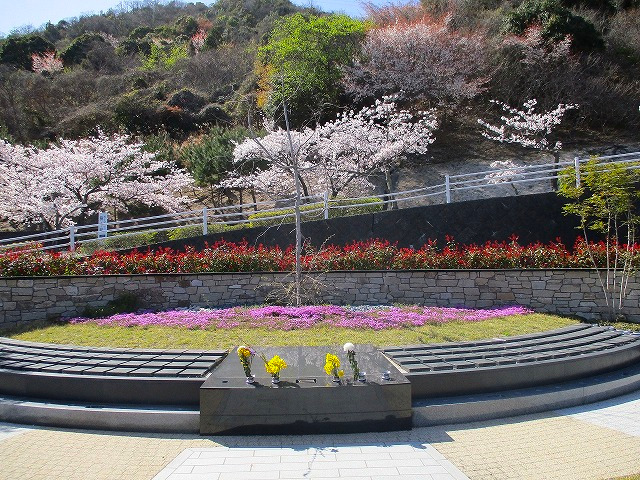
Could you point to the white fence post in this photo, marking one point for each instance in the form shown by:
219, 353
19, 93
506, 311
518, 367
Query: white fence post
205, 221
447, 188
576, 162
72, 238
325, 198
103, 222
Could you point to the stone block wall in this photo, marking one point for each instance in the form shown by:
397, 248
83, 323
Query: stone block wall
578, 292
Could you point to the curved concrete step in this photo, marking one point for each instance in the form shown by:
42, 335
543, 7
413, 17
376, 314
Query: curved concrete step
471, 408
436, 411
161, 419
438, 370
104, 375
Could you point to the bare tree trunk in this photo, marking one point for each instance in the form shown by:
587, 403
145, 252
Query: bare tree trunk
296, 175
298, 241
389, 181
255, 200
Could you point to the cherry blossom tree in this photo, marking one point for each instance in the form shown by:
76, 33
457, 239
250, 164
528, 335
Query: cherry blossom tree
198, 39
46, 62
378, 138
63, 184
284, 151
339, 156
321, 167
528, 128
333, 157
427, 59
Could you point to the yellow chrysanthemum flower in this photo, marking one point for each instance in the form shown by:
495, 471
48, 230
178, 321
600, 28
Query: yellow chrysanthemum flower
244, 352
275, 365
332, 363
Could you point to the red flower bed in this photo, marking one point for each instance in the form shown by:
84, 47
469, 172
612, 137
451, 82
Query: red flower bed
369, 255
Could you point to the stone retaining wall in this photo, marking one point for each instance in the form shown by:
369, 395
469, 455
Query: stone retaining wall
24, 300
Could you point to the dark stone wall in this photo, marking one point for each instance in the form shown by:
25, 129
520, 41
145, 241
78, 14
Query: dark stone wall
531, 217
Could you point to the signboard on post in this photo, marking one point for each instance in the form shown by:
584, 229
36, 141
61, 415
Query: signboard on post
102, 224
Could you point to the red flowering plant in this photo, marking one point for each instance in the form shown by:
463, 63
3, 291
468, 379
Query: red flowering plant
367, 255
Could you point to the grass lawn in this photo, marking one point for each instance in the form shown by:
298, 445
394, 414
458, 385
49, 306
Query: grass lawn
214, 338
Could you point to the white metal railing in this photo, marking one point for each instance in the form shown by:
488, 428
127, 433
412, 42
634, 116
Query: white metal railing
318, 206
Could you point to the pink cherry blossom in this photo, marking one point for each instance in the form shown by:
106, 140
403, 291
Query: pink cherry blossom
74, 178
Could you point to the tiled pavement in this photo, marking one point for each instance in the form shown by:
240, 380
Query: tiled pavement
598, 441
394, 461
594, 442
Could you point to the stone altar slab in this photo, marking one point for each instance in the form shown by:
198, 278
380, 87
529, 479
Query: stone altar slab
306, 400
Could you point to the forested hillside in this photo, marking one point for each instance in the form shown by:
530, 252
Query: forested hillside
184, 78
181, 67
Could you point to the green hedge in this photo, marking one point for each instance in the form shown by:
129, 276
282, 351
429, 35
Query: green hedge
373, 204
122, 242
308, 212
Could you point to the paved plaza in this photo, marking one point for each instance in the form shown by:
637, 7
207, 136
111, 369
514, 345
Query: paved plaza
598, 441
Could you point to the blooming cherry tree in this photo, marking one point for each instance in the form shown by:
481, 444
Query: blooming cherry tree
321, 167
332, 157
527, 127
427, 59
378, 138
284, 151
46, 62
198, 39
339, 156
63, 184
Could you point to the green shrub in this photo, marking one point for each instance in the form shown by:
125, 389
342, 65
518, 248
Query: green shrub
556, 21
374, 204
196, 230
18, 50
164, 57
185, 25
133, 47
316, 212
139, 32
121, 241
137, 112
80, 47
308, 212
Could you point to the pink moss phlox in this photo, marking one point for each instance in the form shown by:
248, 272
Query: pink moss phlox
293, 318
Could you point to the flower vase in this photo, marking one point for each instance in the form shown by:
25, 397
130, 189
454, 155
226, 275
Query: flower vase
362, 377
336, 379
251, 378
275, 379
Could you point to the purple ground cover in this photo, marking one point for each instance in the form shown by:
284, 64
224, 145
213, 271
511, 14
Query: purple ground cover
291, 318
